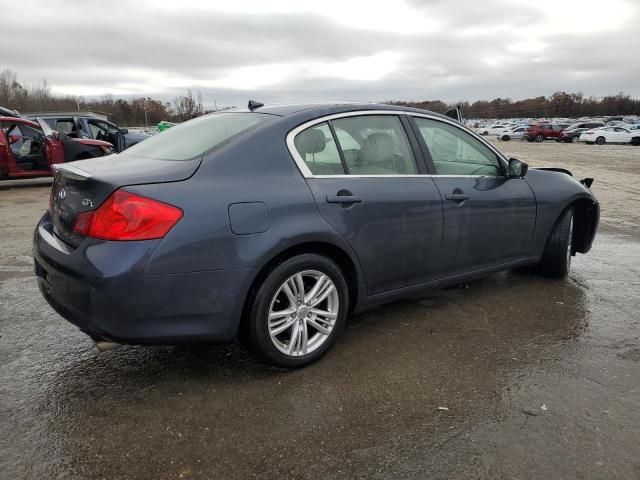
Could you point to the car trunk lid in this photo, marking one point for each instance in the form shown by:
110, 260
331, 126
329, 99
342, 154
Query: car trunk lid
84, 185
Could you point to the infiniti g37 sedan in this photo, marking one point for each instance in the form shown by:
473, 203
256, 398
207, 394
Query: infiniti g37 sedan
276, 223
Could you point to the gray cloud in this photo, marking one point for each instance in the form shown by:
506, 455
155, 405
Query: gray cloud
478, 51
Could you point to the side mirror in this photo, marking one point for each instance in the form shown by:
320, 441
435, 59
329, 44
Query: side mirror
517, 168
124, 131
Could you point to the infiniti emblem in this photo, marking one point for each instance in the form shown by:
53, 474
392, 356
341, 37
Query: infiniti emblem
62, 194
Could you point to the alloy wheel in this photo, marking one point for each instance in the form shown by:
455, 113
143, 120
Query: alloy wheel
303, 313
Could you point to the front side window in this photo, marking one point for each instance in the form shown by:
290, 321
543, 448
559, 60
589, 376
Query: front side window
196, 137
67, 126
456, 152
100, 130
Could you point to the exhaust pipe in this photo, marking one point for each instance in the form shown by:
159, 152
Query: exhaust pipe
104, 345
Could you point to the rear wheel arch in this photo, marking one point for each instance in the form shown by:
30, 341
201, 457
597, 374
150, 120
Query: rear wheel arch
338, 255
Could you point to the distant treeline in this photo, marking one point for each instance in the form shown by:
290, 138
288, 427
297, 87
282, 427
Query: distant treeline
131, 111
126, 112
560, 104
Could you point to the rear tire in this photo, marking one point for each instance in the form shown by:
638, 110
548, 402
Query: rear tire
575, 139
273, 297
556, 259
539, 138
600, 141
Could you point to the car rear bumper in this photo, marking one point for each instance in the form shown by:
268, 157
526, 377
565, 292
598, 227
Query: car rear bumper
101, 288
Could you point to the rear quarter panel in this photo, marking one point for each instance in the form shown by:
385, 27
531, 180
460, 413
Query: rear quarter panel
258, 169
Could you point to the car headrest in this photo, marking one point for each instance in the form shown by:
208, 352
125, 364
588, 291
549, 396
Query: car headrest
377, 148
310, 141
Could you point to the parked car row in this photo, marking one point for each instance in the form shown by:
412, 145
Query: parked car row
591, 132
610, 134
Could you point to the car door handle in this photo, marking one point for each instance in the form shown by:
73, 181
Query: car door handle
458, 197
343, 199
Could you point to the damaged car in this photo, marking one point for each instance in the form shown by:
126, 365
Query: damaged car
277, 223
30, 149
90, 125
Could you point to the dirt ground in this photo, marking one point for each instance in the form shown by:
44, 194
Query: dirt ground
615, 168
510, 377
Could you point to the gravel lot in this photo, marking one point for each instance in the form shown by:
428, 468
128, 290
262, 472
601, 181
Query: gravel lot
512, 376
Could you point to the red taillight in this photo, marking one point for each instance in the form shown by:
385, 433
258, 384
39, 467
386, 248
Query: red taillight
125, 216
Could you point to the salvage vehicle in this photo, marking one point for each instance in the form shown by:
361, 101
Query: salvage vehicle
572, 132
277, 223
512, 133
600, 136
494, 129
7, 112
88, 125
30, 149
543, 131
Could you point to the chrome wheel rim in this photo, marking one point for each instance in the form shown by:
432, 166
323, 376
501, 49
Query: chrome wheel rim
303, 313
570, 242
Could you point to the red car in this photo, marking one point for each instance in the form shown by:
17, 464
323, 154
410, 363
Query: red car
28, 149
543, 131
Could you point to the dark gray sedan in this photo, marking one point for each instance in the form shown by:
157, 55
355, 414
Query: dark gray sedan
276, 223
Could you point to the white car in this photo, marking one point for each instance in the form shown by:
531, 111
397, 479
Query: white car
494, 129
600, 136
511, 133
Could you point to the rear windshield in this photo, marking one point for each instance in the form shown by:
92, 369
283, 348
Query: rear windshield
196, 137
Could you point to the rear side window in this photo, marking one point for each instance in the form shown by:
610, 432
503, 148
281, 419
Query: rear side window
363, 145
196, 137
375, 145
318, 150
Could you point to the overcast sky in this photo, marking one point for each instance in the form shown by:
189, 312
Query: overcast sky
292, 50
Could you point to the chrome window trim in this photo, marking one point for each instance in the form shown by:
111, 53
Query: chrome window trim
426, 175
306, 172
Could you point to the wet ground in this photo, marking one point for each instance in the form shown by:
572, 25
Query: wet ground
513, 376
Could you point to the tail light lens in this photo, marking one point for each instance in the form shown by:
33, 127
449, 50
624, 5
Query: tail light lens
126, 216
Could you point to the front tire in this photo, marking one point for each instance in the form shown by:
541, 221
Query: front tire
556, 259
575, 139
600, 141
299, 311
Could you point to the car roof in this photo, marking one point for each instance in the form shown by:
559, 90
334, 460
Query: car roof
20, 120
327, 108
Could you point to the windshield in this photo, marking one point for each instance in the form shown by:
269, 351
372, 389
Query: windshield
196, 137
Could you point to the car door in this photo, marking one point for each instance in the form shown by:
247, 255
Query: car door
370, 185
622, 135
5, 153
488, 218
102, 130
